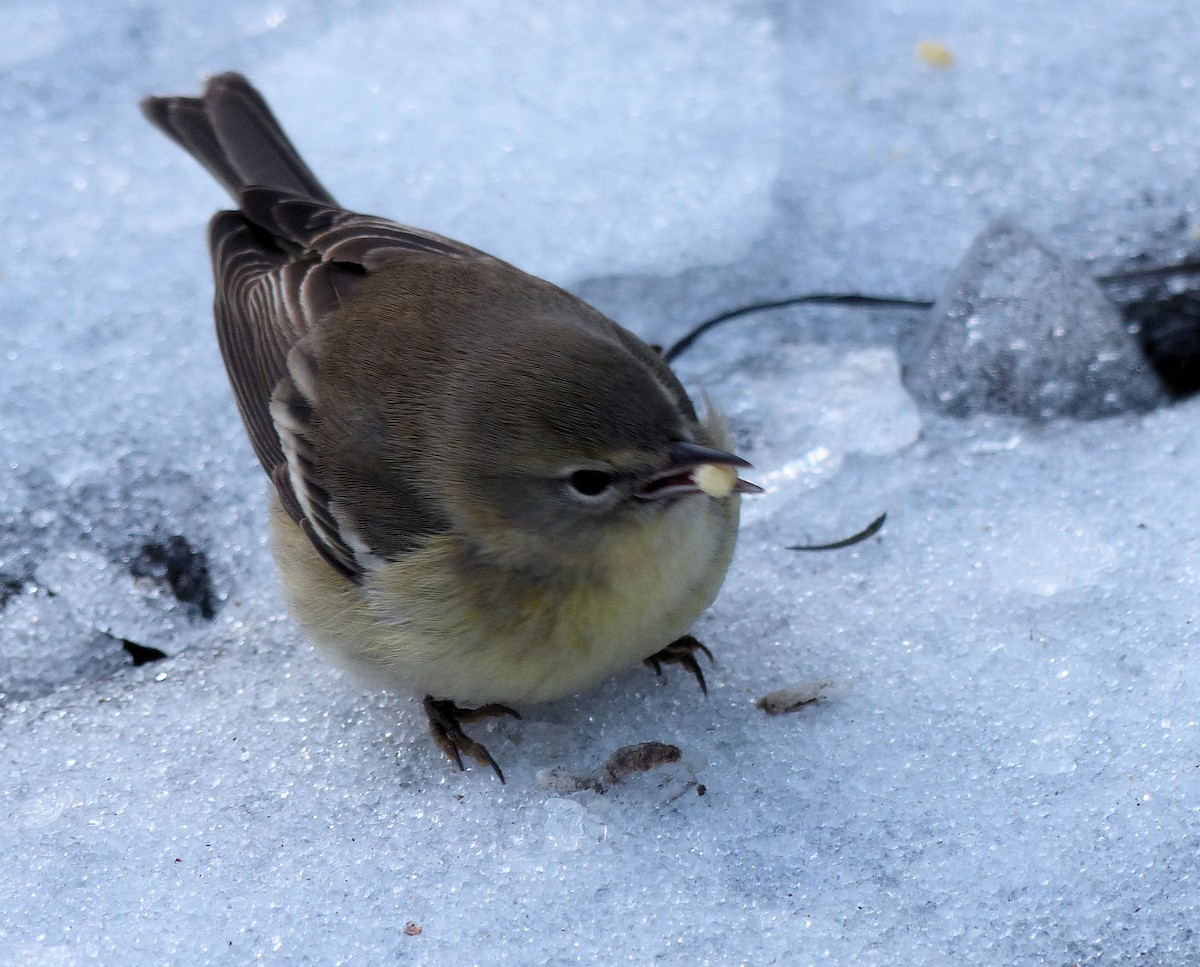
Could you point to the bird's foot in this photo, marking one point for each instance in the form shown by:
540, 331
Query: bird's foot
445, 725
681, 651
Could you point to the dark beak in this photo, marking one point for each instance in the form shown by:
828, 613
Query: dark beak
685, 474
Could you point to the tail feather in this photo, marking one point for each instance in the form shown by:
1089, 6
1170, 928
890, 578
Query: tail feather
231, 131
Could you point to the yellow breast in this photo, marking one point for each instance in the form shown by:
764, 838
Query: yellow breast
425, 624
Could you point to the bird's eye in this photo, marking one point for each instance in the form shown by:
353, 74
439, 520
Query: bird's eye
590, 483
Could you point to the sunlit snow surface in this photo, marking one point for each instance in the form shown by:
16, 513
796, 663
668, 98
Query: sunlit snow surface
1004, 765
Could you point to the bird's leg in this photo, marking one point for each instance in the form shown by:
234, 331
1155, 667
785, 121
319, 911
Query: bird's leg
445, 725
681, 651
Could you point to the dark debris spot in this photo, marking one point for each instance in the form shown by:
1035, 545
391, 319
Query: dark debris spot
10, 587
625, 762
1159, 300
142, 654
181, 566
790, 699
1168, 328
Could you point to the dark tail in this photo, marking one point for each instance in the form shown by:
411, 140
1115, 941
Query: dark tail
230, 130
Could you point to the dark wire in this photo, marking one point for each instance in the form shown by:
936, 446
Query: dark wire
1153, 272
851, 299
816, 298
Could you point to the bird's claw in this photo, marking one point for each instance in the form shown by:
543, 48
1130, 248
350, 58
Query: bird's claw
681, 651
445, 725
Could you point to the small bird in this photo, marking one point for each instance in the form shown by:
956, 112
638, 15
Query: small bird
485, 492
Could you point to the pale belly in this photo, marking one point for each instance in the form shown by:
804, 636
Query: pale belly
411, 626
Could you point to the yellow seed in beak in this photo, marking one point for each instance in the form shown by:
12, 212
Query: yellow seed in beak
715, 480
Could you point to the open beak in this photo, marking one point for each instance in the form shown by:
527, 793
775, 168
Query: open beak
696, 469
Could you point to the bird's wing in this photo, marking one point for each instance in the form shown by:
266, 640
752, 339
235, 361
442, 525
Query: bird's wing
340, 235
282, 265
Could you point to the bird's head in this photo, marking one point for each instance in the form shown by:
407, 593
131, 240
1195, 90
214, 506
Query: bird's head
592, 439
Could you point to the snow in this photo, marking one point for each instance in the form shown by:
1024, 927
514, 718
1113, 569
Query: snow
1002, 763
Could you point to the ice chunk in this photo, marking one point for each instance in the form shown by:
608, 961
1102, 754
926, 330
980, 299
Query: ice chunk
46, 646
821, 402
1021, 331
83, 617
